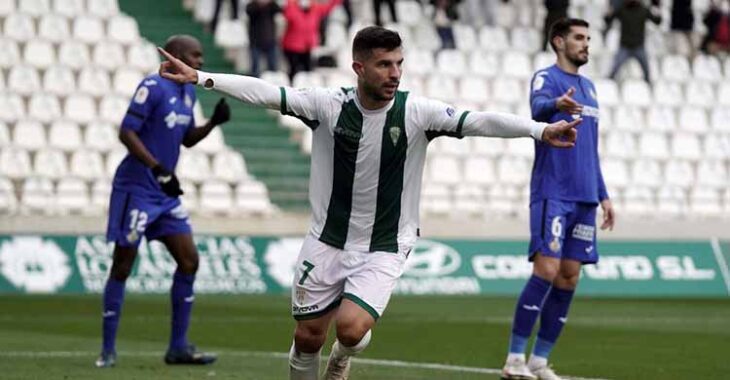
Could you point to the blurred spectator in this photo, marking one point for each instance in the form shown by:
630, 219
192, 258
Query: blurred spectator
717, 20
302, 32
325, 21
262, 34
377, 4
218, 4
633, 16
444, 15
556, 9
682, 23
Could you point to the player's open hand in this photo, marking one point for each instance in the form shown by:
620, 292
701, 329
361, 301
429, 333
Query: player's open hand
561, 134
176, 70
609, 215
567, 104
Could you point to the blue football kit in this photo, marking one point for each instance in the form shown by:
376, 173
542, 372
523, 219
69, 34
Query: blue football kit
161, 113
566, 184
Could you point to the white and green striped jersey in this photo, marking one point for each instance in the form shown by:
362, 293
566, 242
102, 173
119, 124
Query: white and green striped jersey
367, 165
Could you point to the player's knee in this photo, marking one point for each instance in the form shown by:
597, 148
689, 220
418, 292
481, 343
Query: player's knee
120, 272
567, 280
309, 338
351, 333
189, 265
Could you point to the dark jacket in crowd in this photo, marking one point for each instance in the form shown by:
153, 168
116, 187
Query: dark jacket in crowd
633, 16
261, 27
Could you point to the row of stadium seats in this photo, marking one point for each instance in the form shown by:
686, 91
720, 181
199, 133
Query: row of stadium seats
509, 201
61, 81
40, 195
194, 165
68, 8
85, 28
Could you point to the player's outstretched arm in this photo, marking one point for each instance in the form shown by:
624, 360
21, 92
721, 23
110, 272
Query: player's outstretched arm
561, 134
246, 89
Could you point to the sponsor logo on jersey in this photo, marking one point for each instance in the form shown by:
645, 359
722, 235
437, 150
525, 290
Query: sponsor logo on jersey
304, 309
584, 232
150, 82
394, 135
141, 95
173, 119
590, 111
301, 294
34, 264
339, 130
450, 111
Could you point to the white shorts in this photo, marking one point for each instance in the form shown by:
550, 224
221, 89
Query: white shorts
325, 274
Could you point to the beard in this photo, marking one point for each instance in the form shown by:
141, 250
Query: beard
376, 93
577, 61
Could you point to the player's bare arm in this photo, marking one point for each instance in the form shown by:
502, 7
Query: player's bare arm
131, 140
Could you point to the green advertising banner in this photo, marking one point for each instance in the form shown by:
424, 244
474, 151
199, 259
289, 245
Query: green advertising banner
254, 265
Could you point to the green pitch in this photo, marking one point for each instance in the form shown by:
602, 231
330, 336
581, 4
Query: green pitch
58, 337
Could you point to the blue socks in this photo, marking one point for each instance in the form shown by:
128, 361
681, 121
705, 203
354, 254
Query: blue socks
528, 309
182, 297
113, 299
552, 319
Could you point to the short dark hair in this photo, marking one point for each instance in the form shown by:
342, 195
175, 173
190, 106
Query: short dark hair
562, 28
374, 37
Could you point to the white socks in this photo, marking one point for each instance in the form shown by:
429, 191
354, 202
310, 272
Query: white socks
511, 357
302, 365
537, 362
340, 350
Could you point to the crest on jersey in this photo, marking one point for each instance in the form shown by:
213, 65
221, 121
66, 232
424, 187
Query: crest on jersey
539, 81
394, 135
132, 236
188, 101
141, 96
555, 245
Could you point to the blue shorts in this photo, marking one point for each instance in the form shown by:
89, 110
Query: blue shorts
564, 230
132, 216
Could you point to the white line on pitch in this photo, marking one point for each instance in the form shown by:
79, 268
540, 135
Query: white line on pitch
276, 355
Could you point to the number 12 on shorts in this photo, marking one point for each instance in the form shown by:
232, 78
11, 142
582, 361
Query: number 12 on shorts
307, 268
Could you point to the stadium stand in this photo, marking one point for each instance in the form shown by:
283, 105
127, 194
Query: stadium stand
68, 71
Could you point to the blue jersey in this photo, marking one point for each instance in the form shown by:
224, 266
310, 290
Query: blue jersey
161, 113
566, 174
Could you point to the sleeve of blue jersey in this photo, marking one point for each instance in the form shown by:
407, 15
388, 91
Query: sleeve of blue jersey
143, 103
542, 96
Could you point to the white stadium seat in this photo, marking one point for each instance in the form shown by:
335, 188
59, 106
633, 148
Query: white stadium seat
479, 170
451, 62
517, 65
425, 37
4, 136
339, 79
37, 196
112, 161
484, 64
668, 94
442, 88
629, 118
700, 94
543, 60
8, 200
190, 200
69, 8
108, 55
646, 173
24, 80
716, 147
216, 198
39, 54
29, 135
410, 12
705, 201
34, 8
277, 78
123, 29
72, 196
193, 166
19, 27
661, 119
59, 80
707, 68
143, 56
101, 190
15, 163
229, 166
620, 145
493, 39
80, 109
103, 8
501, 200
693, 119
615, 172
639, 201
54, 27
654, 145
679, 173
636, 93
474, 90
491, 147
231, 34
126, 81
686, 146
721, 119
12, 107
88, 29
101, 136
445, 170
527, 40
675, 68
446, 146
310, 79
9, 53
436, 198
524, 148
252, 197
50, 163
94, 81
44, 108
607, 90
65, 135
508, 91
672, 201
87, 164
712, 174
7, 7
513, 171
74, 54
469, 199
723, 96
113, 108
419, 62
466, 37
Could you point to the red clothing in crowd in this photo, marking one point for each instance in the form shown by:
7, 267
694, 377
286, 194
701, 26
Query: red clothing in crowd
302, 28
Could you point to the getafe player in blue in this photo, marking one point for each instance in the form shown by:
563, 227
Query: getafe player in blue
566, 187
145, 198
